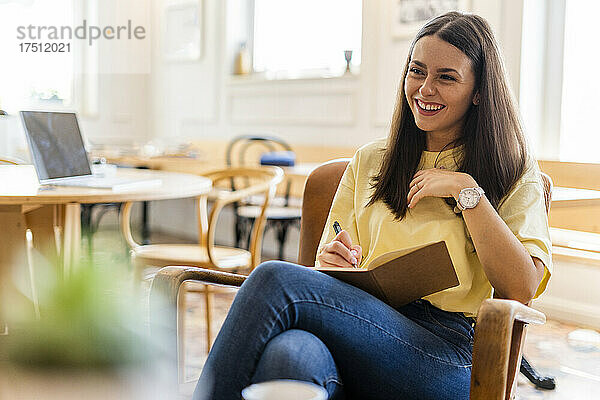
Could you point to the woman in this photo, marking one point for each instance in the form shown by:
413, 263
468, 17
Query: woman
455, 168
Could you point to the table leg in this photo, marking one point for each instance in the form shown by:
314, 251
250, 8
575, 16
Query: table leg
12, 253
44, 222
72, 237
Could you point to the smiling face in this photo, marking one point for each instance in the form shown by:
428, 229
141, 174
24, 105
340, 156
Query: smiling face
439, 88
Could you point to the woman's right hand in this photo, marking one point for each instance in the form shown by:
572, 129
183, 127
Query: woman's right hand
340, 252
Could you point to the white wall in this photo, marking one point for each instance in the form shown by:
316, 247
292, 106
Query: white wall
114, 103
197, 100
572, 294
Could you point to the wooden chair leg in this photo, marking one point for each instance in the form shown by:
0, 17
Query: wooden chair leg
181, 312
57, 229
208, 301
86, 226
34, 296
282, 230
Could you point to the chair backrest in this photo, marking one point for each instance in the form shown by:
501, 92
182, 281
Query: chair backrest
246, 150
241, 146
548, 185
261, 180
319, 190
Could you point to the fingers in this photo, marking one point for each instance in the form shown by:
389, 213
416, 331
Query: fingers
356, 250
414, 187
413, 190
337, 255
433, 182
344, 237
343, 251
415, 198
333, 260
417, 181
418, 174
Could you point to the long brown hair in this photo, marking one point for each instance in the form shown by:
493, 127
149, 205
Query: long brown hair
495, 150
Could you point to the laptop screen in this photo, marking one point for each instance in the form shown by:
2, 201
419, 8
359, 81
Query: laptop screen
56, 145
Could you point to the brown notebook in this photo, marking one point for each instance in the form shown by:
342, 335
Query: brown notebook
402, 276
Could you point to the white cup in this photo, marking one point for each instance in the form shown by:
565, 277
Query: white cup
284, 389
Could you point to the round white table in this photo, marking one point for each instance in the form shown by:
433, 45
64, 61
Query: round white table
53, 213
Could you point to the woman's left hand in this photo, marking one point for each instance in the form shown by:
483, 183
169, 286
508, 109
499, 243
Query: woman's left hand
437, 182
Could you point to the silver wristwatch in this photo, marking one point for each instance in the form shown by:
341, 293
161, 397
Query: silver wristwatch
468, 198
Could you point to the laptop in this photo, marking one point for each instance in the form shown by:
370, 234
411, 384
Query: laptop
59, 155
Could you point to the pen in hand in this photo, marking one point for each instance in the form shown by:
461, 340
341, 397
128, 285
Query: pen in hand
337, 229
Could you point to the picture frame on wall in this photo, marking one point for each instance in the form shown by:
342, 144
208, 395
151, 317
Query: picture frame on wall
408, 16
182, 31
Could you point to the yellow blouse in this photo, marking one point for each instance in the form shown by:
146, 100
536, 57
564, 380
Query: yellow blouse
432, 219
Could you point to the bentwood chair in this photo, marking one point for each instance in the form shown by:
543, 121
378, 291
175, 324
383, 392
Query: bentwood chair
258, 181
281, 214
499, 331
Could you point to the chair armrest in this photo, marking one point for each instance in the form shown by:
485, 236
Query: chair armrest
165, 290
497, 347
513, 309
168, 279
163, 306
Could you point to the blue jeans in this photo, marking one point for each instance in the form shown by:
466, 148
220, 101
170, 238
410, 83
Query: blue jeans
291, 322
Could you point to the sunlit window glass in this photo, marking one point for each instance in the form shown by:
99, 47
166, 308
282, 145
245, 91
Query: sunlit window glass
28, 79
580, 139
297, 37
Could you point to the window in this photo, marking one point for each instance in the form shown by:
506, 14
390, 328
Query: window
558, 86
33, 80
579, 137
306, 38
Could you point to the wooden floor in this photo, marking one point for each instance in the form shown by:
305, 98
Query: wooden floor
574, 363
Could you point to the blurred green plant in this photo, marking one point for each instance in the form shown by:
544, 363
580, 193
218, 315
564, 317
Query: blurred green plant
94, 318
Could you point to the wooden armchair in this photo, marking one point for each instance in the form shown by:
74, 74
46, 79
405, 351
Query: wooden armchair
499, 332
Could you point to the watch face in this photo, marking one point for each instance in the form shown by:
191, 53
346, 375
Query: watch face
469, 198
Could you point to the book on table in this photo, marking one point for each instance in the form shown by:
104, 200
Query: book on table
402, 276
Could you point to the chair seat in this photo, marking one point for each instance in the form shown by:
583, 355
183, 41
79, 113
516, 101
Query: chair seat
271, 213
228, 258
